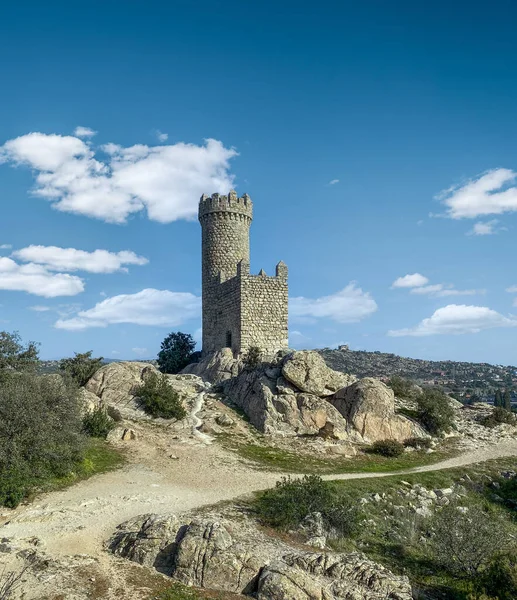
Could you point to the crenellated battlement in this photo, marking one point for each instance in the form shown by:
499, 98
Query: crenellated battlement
226, 205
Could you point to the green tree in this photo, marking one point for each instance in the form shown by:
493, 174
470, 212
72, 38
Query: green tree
498, 398
434, 411
176, 352
81, 367
507, 400
15, 356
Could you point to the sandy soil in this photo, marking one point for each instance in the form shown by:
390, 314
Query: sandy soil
73, 524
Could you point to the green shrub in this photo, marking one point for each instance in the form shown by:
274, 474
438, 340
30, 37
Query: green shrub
418, 443
402, 388
434, 411
40, 433
81, 367
287, 504
499, 579
389, 448
499, 415
97, 423
252, 358
159, 399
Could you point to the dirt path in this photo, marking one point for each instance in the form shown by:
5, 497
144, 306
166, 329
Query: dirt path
79, 519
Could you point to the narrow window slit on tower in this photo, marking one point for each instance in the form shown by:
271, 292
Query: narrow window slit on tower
228, 339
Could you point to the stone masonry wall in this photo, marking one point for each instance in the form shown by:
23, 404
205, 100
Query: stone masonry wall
264, 313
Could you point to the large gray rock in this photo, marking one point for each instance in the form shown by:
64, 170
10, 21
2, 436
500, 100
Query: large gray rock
148, 540
232, 558
280, 409
116, 386
369, 406
216, 367
208, 556
308, 372
312, 576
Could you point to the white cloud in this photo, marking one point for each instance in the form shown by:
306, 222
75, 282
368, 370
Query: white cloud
162, 137
115, 352
36, 280
419, 284
84, 132
410, 281
512, 289
427, 289
485, 228
39, 308
333, 181
70, 259
491, 193
166, 180
5, 246
349, 305
456, 319
140, 351
148, 307
439, 290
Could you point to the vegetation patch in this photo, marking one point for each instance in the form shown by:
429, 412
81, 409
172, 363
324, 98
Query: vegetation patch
388, 448
97, 423
159, 399
434, 411
178, 591
499, 415
80, 368
278, 459
463, 551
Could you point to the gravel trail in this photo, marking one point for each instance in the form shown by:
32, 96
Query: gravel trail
161, 476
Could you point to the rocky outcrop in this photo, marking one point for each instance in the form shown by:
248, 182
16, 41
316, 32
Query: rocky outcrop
208, 556
115, 385
311, 576
228, 557
276, 407
88, 401
308, 372
216, 367
369, 406
148, 540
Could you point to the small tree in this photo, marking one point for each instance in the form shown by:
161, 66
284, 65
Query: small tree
464, 542
176, 352
498, 398
15, 356
81, 367
252, 358
435, 412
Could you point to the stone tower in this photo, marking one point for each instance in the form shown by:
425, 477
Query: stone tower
239, 310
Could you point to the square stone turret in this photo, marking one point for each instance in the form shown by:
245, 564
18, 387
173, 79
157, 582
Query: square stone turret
239, 310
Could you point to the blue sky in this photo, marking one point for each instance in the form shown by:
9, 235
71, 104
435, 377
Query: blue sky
377, 141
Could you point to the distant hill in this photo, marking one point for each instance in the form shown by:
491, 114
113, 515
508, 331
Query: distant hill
461, 377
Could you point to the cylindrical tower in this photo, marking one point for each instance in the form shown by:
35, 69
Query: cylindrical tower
225, 223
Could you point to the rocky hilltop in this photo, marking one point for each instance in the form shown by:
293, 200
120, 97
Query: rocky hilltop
463, 378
